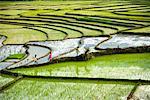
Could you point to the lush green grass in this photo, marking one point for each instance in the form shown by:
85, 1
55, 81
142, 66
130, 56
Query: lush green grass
136, 13
47, 89
115, 7
12, 12
4, 80
141, 30
106, 21
34, 13
127, 66
71, 33
52, 34
109, 14
19, 36
7, 26
141, 92
27, 22
87, 32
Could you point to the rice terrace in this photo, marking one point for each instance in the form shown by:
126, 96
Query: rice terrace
75, 50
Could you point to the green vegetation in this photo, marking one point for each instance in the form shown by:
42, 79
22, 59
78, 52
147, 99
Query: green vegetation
141, 30
109, 14
16, 56
130, 64
35, 12
4, 80
12, 12
22, 22
52, 34
94, 13
45, 89
7, 26
21, 35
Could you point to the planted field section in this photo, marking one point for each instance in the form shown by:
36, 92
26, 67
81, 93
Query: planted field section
47, 88
130, 64
93, 30
107, 16
145, 30
11, 12
67, 32
7, 26
82, 30
108, 12
75, 19
134, 13
51, 33
24, 35
4, 80
141, 92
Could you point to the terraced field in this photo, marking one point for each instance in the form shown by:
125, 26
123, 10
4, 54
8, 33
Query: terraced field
82, 50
